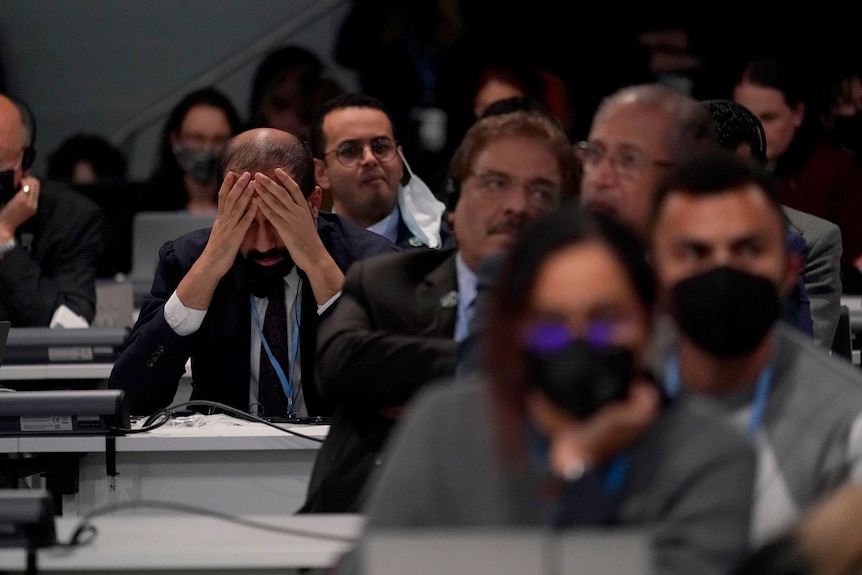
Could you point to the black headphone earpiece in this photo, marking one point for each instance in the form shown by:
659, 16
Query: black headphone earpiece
29, 121
453, 192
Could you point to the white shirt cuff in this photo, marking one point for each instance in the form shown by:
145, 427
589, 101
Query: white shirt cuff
325, 305
183, 320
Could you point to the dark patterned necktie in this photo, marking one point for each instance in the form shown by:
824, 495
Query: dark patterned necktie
270, 391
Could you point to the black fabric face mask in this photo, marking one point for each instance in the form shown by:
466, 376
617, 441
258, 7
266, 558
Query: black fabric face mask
201, 165
7, 186
581, 377
725, 311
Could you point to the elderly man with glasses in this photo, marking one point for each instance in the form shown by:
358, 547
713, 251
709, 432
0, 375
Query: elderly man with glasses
641, 131
361, 169
401, 317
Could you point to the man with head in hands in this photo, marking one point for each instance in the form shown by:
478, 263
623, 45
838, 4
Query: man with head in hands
210, 293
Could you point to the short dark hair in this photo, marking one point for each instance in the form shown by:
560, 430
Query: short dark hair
316, 138
737, 125
714, 174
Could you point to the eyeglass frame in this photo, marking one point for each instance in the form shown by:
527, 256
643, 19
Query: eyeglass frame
626, 168
528, 186
365, 144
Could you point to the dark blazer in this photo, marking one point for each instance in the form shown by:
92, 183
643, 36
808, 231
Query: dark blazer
389, 337
150, 367
55, 261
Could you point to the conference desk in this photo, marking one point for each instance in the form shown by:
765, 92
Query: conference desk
35, 377
219, 463
191, 544
30, 377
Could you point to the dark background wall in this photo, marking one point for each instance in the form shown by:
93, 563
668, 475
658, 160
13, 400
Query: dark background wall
115, 67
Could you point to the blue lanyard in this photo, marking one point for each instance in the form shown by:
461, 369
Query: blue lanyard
285, 379
672, 385
613, 474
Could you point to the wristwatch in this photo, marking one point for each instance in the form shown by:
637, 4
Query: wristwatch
8, 246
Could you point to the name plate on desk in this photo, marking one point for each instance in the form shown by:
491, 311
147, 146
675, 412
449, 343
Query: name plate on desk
42, 345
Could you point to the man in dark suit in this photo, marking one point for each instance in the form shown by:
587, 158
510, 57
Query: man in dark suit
50, 236
401, 317
209, 295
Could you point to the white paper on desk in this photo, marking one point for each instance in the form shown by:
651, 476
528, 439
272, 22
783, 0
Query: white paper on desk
64, 317
227, 425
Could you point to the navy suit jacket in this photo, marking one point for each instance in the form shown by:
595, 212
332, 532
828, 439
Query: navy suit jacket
151, 365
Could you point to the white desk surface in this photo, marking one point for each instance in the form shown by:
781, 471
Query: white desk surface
227, 464
61, 371
193, 543
211, 433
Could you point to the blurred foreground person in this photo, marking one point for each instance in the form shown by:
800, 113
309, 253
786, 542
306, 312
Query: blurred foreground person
565, 427
826, 541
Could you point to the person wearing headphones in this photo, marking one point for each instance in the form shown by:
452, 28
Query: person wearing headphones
50, 236
402, 316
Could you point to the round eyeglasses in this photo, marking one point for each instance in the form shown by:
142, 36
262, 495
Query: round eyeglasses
350, 152
625, 162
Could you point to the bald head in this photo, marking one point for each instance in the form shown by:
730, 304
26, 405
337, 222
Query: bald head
12, 134
690, 129
264, 150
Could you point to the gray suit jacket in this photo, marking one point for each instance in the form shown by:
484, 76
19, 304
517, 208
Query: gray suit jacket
688, 480
812, 427
821, 272
810, 438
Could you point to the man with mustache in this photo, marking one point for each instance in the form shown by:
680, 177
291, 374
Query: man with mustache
360, 165
401, 317
212, 288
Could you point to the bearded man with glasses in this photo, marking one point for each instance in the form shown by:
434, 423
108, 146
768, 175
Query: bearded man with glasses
360, 166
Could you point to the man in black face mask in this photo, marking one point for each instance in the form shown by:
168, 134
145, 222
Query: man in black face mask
270, 248
50, 236
722, 262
